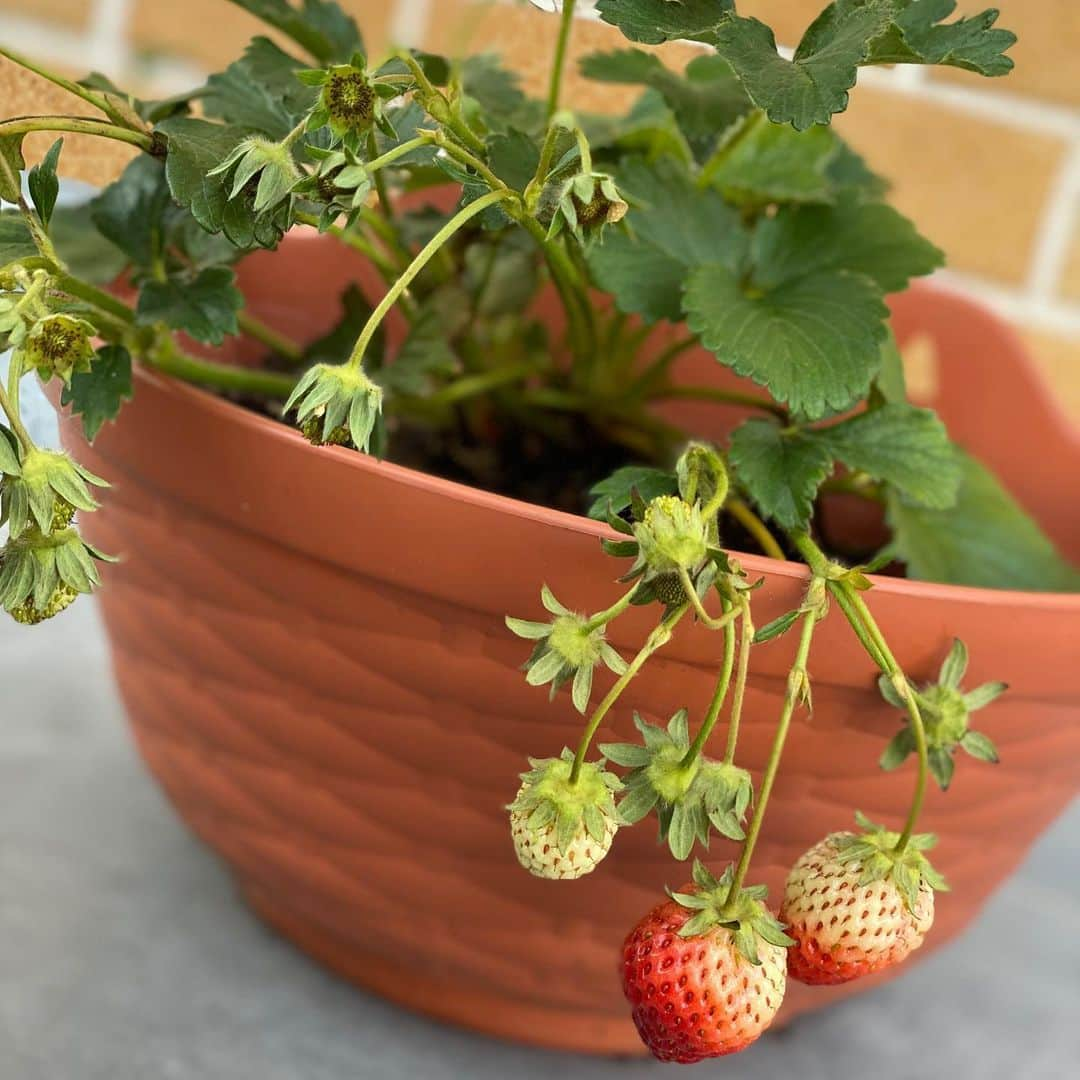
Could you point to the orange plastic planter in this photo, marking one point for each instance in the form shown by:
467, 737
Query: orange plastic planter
311, 649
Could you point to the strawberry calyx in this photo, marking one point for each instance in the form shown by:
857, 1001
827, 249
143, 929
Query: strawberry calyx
548, 796
875, 850
744, 915
568, 647
688, 797
946, 712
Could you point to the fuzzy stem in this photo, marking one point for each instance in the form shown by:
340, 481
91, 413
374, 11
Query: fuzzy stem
794, 685
740, 683
452, 121
91, 97
719, 694
168, 359
604, 617
426, 254
699, 608
80, 125
536, 185
559, 64
720, 396
39, 235
268, 336
11, 411
381, 189
659, 637
756, 527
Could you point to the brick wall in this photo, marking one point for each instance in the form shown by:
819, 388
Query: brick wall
990, 169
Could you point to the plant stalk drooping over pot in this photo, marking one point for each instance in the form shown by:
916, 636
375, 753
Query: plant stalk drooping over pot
723, 201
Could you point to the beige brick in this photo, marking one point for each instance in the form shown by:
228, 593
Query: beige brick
1046, 54
84, 157
975, 187
525, 36
1059, 360
75, 12
214, 33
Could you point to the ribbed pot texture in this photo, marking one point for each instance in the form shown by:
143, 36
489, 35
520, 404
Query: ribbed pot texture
311, 648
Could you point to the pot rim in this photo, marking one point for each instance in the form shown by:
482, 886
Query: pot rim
231, 412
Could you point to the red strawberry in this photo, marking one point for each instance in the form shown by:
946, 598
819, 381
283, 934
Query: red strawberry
705, 977
855, 906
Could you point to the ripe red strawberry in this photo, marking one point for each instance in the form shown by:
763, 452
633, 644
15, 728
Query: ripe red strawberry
854, 906
705, 978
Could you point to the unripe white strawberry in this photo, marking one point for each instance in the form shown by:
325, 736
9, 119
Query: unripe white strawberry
563, 829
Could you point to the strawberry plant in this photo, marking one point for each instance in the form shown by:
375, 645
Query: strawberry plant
722, 205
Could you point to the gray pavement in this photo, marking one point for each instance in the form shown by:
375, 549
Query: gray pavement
125, 953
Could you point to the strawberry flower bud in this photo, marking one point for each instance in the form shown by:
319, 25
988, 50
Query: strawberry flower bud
58, 345
561, 829
272, 162
342, 397
671, 537
47, 491
588, 204
567, 647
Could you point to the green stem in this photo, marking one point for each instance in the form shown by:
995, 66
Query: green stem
91, 97
721, 396
374, 166
755, 527
794, 687
386, 268
395, 152
723, 681
39, 235
699, 608
268, 336
868, 632
604, 617
79, 125
12, 413
659, 637
15, 372
918, 729
168, 359
95, 297
426, 254
435, 104
535, 187
559, 64
745, 645
473, 385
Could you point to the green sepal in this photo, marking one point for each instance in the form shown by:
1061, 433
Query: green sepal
777, 627
585, 806
875, 851
744, 916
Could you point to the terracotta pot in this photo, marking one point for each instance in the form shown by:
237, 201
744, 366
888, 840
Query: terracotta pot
311, 649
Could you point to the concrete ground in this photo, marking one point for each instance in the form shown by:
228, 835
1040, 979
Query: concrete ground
125, 954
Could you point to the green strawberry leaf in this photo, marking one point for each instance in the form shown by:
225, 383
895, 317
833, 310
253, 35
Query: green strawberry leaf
916, 37
195, 147
97, 395
773, 163
319, 26
205, 307
865, 238
673, 225
16, 243
130, 212
814, 84
260, 91
614, 492
781, 470
901, 445
12, 164
43, 185
814, 342
654, 21
986, 539
705, 101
